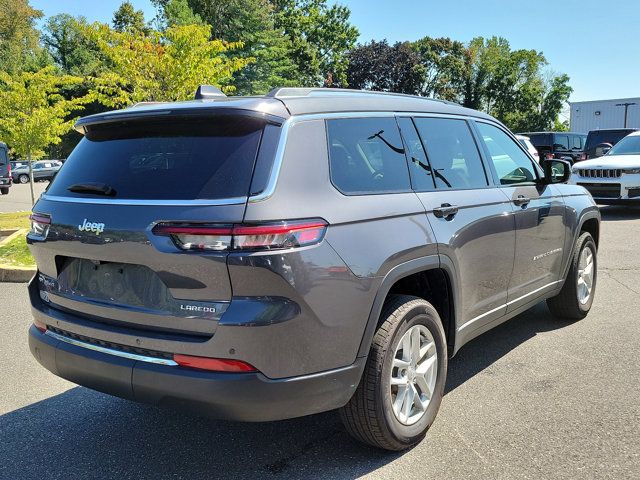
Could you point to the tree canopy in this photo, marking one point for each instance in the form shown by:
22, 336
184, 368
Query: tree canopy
248, 47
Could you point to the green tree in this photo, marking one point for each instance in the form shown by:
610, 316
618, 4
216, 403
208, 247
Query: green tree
321, 35
127, 19
19, 47
443, 62
65, 39
35, 114
380, 66
161, 66
176, 13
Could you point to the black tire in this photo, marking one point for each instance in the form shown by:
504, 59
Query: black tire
4, 190
369, 416
566, 304
23, 178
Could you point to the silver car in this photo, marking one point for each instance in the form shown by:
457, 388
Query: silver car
42, 170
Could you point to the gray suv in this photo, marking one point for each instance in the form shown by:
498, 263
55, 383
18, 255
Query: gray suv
263, 258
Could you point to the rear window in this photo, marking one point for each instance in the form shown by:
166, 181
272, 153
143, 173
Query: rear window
596, 137
539, 139
3, 156
198, 158
367, 156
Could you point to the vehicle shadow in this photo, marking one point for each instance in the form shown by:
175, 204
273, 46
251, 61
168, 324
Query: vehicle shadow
85, 434
620, 212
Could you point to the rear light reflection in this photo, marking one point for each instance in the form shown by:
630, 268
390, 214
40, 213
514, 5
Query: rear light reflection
42, 328
213, 364
244, 237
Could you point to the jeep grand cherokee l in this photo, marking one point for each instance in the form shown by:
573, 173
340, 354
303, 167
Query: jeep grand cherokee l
271, 257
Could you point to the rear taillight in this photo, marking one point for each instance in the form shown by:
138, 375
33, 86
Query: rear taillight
40, 224
42, 328
213, 364
244, 237
548, 156
583, 156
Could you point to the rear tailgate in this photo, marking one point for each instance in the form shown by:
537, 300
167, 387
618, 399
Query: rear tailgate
99, 259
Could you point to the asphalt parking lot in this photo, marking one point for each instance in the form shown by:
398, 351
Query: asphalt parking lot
19, 197
534, 398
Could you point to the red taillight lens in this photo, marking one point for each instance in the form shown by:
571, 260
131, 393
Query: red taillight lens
244, 237
583, 156
40, 224
548, 156
40, 326
213, 364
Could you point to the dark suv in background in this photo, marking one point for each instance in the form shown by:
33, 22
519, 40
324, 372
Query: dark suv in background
5, 169
563, 145
313, 249
600, 142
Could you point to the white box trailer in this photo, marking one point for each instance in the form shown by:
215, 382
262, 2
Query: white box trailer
600, 114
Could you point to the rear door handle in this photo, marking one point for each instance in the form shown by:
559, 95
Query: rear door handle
521, 200
446, 211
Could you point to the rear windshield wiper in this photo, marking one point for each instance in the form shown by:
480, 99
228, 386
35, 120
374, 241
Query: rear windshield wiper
97, 188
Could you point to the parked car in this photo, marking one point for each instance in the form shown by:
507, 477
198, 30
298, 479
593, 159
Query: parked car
42, 170
5, 170
526, 143
313, 249
599, 142
613, 178
564, 145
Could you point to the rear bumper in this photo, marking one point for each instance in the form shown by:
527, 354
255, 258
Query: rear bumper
248, 397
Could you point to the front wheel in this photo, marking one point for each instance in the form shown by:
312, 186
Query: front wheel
23, 178
576, 297
403, 383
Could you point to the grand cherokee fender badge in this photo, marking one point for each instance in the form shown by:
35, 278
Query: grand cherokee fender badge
94, 227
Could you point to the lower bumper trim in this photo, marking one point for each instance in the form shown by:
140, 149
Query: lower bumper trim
111, 351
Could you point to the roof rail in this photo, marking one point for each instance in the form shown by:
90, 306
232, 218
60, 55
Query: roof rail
142, 104
282, 92
205, 92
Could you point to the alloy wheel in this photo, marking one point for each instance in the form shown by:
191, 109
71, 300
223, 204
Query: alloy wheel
413, 374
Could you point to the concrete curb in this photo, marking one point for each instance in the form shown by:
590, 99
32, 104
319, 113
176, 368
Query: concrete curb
14, 234
15, 274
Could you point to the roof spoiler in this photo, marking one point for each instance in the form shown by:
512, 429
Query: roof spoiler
206, 92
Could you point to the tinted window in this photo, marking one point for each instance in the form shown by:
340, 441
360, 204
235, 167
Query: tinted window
561, 141
204, 158
511, 163
627, 146
597, 137
539, 139
452, 153
419, 168
367, 156
576, 142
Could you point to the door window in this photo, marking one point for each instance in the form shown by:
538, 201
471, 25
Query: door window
367, 156
561, 142
419, 168
512, 165
452, 153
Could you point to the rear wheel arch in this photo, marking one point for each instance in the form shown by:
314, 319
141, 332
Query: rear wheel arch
428, 278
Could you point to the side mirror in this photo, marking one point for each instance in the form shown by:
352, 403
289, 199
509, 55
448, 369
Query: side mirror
556, 171
603, 149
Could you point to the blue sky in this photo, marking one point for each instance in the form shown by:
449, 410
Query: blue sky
596, 42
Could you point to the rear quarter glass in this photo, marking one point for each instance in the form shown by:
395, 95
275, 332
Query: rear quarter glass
171, 158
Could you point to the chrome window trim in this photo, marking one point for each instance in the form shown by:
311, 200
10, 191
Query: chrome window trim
110, 351
149, 202
286, 127
493, 310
